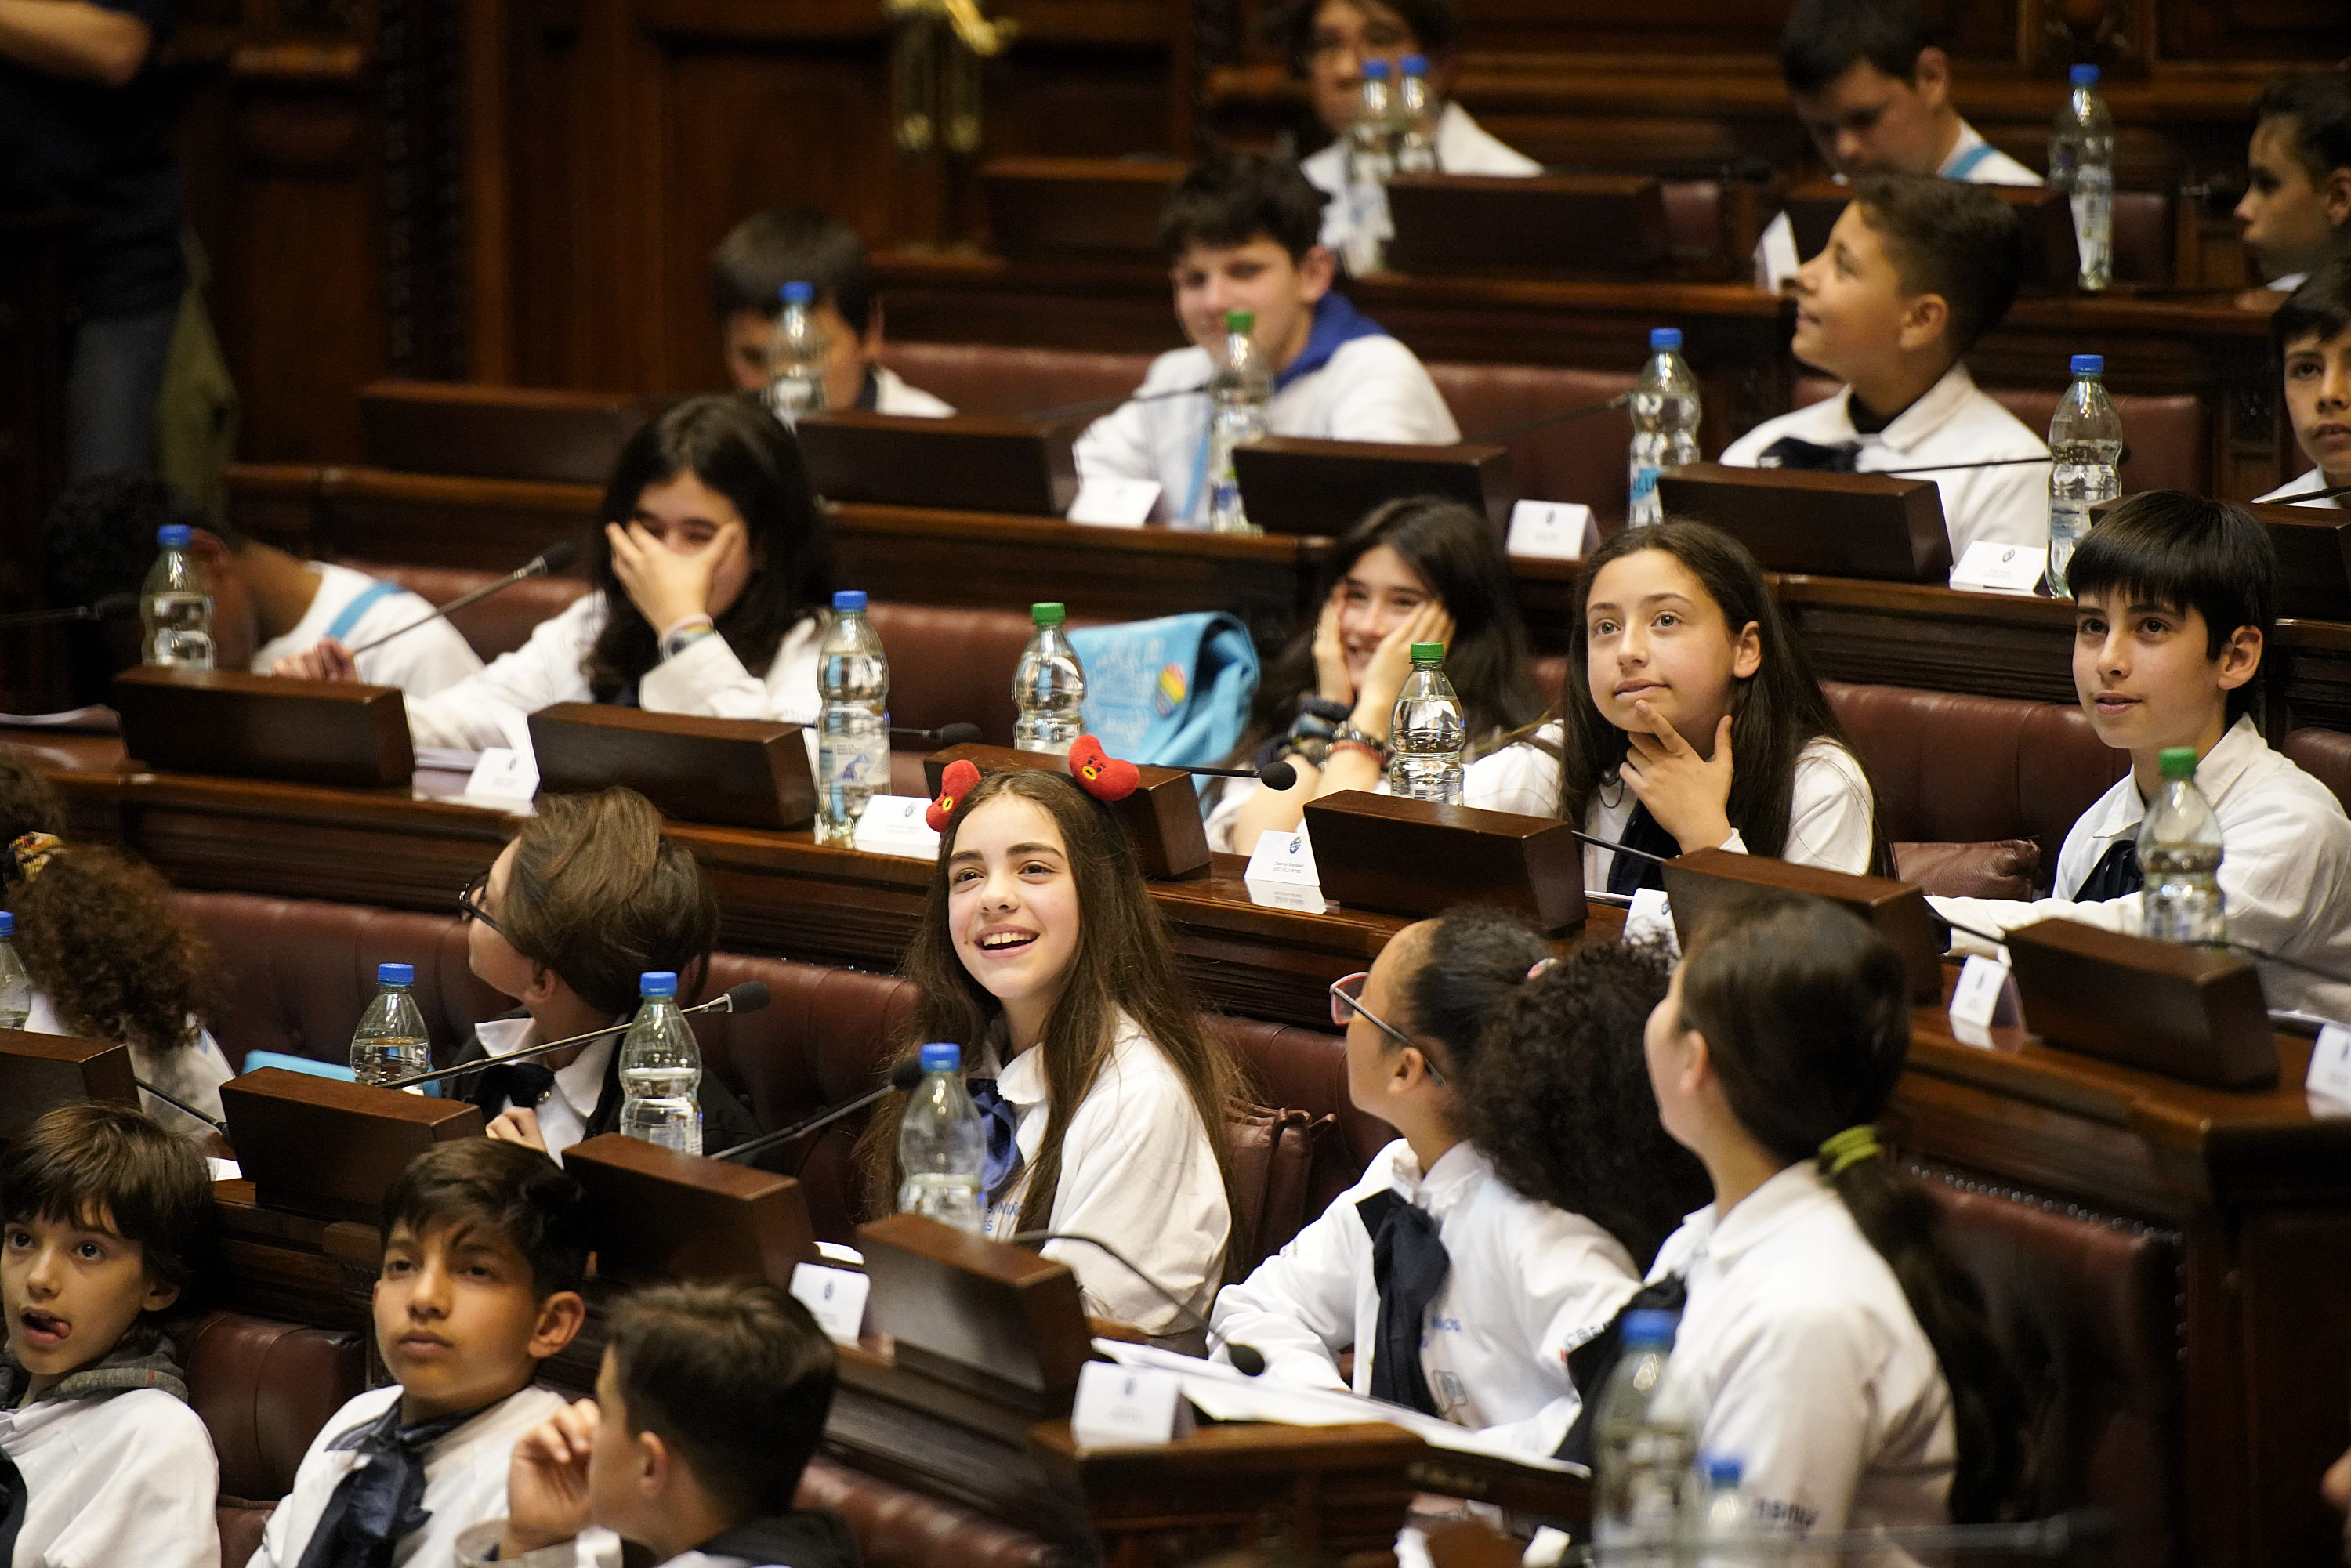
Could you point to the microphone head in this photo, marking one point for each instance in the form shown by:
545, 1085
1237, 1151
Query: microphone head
958, 735
1246, 1359
906, 1074
558, 556
1277, 776
113, 605
749, 997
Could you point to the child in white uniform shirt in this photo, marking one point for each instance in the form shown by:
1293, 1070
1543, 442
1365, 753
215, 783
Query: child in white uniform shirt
2174, 598
1240, 233
2312, 334
485, 1246
1461, 1297
1914, 271
1040, 954
2297, 208
104, 1463
711, 573
1826, 1342
1691, 720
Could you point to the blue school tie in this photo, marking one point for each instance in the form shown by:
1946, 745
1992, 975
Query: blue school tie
1590, 1363
2117, 874
1408, 1266
1002, 1120
1627, 874
380, 1503
1794, 452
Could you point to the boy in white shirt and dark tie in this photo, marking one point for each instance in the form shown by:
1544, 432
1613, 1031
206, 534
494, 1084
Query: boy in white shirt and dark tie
2297, 202
2312, 334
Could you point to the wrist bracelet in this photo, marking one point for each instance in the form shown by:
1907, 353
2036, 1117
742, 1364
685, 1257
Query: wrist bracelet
687, 636
1351, 736
1312, 727
1313, 750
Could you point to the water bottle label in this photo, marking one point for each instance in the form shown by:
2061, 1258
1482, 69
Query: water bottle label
1645, 483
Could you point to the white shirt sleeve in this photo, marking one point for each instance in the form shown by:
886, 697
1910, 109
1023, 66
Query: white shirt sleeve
156, 1508
1522, 777
430, 659
1298, 1309
1577, 1278
1119, 445
1831, 819
1794, 1402
488, 708
1382, 393
707, 679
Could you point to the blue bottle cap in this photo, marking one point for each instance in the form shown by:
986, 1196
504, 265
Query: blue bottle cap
2089, 364
1414, 65
849, 602
798, 293
7, 923
173, 535
1649, 1327
657, 983
1375, 70
944, 1056
1664, 339
395, 973
2083, 76
1723, 1471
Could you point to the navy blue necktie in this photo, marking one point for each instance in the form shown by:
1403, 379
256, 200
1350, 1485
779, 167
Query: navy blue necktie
1794, 452
1408, 1264
2117, 874
1590, 1363
1002, 1120
1627, 874
380, 1503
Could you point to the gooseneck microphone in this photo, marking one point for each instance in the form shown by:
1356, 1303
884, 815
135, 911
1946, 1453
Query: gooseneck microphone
2326, 494
546, 563
105, 609
1598, 842
1563, 416
946, 735
1277, 775
214, 1123
903, 1078
1248, 1359
747, 997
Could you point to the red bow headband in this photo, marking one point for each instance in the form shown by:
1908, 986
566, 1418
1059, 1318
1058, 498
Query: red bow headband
1097, 772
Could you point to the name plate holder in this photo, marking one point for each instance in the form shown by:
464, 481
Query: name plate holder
656, 1214
2191, 1013
971, 463
260, 727
997, 1321
324, 1147
1703, 881
39, 1073
1295, 484
1613, 225
734, 772
2050, 263
1162, 818
1420, 858
1801, 520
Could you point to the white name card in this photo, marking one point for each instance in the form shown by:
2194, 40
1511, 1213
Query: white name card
1281, 872
1996, 567
893, 825
1556, 530
1127, 1406
504, 774
834, 1297
1651, 919
1112, 503
1985, 999
2330, 1064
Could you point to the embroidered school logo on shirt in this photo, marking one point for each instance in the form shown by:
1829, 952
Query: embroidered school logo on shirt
1173, 688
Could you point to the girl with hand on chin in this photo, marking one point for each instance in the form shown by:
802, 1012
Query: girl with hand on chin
1041, 956
1418, 570
1698, 722
711, 576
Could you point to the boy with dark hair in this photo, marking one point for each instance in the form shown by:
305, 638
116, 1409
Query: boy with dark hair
1240, 233
748, 274
2297, 202
2174, 600
101, 537
710, 1401
1328, 41
1875, 90
1916, 270
485, 1245
2312, 334
101, 1229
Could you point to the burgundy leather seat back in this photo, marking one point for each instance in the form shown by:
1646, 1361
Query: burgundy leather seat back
2143, 238
899, 1528
2325, 756
264, 1387
1575, 460
498, 624
952, 666
2167, 436
988, 378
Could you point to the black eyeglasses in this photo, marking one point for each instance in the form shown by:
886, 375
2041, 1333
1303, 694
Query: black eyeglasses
1347, 999
469, 901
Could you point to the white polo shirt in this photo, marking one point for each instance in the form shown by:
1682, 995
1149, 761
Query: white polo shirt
355, 608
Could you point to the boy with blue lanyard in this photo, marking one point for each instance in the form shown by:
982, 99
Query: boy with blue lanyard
1241, 234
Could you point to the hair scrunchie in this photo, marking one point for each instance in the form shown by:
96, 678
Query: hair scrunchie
28, 854
1840, 1152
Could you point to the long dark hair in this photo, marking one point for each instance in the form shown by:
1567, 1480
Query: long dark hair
728, 444
1805, 1012
1774, 713
1455, 552
1124, 963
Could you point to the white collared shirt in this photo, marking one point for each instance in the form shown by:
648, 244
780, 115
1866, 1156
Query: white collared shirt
2315, 479
193, 1071
2285, 870
1372, 389
431, 658
1527, 1284
1830, 817
563, 1115
493, 707
113, 1479
893, 395
1799, 1355
1972, 158
2289, 283
1954, 422
1463, 146
1137, 1170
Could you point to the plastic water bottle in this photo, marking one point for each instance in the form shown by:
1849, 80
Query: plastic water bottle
797, 356
1426, 732
2081, 164
391, 1041
661, 1067
1643, 1443
853, 742
16, 986
1370, 162
176, 603
1665, 422
1721, 1529
2179, 856
2085, 444
1415, 114
942, 1147
1049, 686
1240, 387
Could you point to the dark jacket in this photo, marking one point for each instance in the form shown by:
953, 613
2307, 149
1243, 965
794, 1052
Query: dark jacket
808, 1538
726, 1119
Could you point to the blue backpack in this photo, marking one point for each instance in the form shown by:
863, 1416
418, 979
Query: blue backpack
1174, 692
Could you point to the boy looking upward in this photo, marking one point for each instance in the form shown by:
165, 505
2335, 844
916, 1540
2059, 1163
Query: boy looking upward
2312, 334
748, 274
2297, 201
1240, 233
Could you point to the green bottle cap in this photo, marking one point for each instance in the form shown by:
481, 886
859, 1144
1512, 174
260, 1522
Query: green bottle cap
1048, 614
1241, 322
1429, 652
2178, 761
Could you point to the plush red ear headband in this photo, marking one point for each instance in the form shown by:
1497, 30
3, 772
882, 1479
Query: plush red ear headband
1097, 772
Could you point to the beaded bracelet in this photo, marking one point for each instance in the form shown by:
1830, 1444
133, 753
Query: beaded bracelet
684, 637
